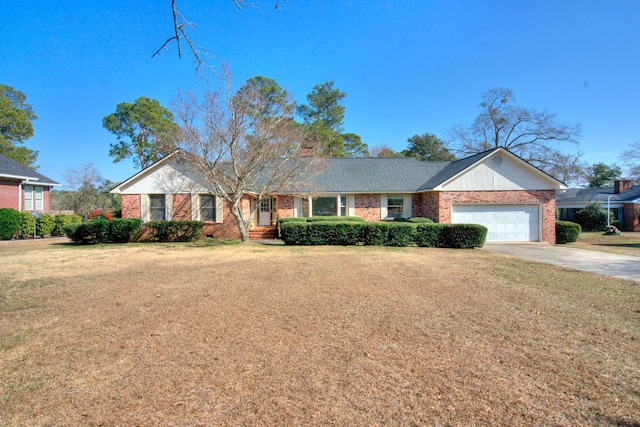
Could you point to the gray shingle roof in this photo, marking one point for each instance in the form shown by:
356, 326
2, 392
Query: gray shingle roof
9, 167
596, 195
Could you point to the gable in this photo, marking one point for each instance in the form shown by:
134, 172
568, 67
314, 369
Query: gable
500, 171
170, 177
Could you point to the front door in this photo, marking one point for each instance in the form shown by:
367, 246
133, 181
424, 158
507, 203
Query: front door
264, 212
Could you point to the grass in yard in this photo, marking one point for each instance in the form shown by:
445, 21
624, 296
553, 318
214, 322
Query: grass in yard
626, 244
274, 335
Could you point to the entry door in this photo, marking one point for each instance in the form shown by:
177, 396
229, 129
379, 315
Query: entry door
264, 213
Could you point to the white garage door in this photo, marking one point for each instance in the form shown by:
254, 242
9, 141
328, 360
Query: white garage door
506, 223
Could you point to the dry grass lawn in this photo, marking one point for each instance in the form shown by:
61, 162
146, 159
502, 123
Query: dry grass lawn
187, 335
626, 244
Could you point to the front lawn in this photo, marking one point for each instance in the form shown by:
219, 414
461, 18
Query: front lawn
626, 244
179, 334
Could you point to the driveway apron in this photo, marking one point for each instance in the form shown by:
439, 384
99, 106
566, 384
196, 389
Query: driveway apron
614, 265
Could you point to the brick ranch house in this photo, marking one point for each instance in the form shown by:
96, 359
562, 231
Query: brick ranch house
495, 188
22, 188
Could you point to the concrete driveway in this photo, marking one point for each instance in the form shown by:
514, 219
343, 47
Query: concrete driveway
622, 266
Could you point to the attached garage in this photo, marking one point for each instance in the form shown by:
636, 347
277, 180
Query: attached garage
506, 223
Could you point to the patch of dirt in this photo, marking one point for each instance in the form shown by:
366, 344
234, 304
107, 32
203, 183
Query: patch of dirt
173, 334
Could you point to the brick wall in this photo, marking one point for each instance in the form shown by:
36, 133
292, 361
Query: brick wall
425, 205
367, 206
9, 193
545, 197
285, 206
630, 216
131, 206
181, 207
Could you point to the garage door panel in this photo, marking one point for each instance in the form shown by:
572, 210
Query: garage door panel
505, 223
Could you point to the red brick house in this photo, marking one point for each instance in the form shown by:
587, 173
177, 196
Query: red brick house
495, 188
22, 188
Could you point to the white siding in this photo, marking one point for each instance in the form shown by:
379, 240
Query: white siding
510, 175
166, 179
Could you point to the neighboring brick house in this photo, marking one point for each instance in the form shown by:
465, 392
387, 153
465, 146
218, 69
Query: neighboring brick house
495, 188
623, 199
22, 188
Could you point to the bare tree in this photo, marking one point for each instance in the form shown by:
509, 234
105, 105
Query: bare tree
181, 29
244, 143
533, 135
631, 159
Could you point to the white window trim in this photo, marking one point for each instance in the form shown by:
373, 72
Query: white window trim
38, 200
29, 198
195, 207
384, 200
350, 204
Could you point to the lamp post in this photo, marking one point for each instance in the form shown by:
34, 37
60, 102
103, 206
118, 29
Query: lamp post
608, 210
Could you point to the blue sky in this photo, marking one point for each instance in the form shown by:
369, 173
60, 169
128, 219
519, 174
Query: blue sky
408, 67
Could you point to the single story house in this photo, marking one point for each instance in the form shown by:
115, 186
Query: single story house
22, 188
623, 199
495, 188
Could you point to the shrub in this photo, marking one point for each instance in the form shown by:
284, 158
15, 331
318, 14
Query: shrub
285, 220
592, 218
27, 225
462, 236
45, 224
334, 218
61, 220
10, 220
401, 234
175, 231
99, 214
70, 229
122, 230
418, 220
294, 232
428, 235
567, 232
89, 232
375, 233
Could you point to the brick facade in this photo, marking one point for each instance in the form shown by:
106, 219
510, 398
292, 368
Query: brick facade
367, 206
131, 206
630, 215
181, 207
285, 207
9, 194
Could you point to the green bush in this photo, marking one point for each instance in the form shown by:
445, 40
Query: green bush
428, 235
335, 218
122, 230
63, 219
375, 233
567, 232
10, 220
70, 229
294, 232
88, 232
462, 236
175, 231
592, 218
418, 220
401, 234
617, 224
285, 220
45, 224
27, 225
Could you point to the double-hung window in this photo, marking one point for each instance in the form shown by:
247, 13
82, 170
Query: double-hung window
157, 211
28, 198
395, 205
207, 207
39, 192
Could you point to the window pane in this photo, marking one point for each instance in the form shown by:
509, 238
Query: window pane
395, 206
305, 207
28, 198
156, 207
325, 206
39, 199
207, 207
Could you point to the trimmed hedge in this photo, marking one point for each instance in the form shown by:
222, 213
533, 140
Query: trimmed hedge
27, 225
122, 230
401, 234
418, 220
383, 234
334, 218
567, 231
119, 230
462, 236
175, 231
285, 220
10, 220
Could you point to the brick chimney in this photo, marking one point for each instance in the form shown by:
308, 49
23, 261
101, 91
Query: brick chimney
619, 185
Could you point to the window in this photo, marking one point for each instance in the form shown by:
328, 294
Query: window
395, 206
156, 207
39, 199
28, 198
343, 205
207, 207
325, 206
